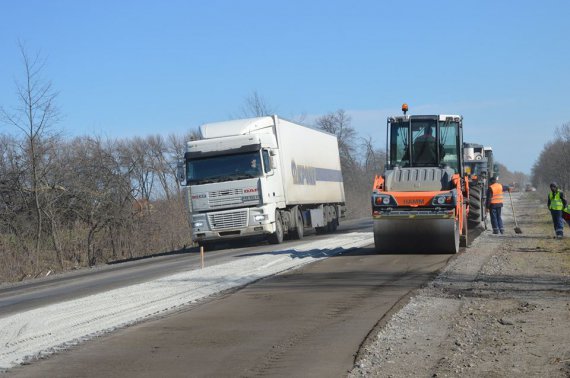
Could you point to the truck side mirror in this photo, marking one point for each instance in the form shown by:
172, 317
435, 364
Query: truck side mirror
181, 172
272, 162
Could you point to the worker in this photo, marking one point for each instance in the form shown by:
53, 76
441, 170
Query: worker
424, 148
494, 204
556, 203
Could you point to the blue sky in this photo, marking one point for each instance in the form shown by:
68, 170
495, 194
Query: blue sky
135, 68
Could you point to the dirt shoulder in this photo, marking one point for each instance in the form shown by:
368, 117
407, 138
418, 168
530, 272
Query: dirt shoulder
500, 309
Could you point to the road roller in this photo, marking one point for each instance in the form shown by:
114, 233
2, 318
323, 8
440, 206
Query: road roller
420, 202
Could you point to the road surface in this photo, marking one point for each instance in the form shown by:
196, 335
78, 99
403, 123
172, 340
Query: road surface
305, 322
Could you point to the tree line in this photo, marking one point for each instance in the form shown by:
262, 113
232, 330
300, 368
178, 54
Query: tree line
553, 163
80, 202
86, 201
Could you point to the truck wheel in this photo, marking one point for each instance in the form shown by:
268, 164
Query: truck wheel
277, 236
298, 231
321, 230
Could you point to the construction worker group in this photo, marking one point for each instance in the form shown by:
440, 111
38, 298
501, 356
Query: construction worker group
557, 204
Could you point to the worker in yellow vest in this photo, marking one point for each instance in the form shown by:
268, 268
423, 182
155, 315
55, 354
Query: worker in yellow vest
494, 204
557, 203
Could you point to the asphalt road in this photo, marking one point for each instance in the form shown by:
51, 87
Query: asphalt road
40, 292
306, 322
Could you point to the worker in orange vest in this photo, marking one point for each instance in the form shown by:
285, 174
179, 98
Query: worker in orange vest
494, 204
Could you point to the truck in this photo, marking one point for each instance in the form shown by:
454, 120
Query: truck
261, 177
420, 202
479, 168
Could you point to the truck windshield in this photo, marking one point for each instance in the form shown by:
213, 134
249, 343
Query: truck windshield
424, 143
224, 168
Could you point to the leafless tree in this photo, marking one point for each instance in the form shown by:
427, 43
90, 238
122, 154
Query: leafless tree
135, 155
162, 168
374, 157
256, 106
552, 165
34, 117
339, 124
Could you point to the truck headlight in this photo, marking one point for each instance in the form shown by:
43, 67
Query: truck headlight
259, 217
197, 224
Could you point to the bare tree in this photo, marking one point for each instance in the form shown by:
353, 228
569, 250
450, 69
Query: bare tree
256, 106
339, 123
34, 115
552, 165
374, 157
553, 162
160, 165
135, 154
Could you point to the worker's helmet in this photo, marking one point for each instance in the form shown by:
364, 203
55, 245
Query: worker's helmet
493, 179
553, 184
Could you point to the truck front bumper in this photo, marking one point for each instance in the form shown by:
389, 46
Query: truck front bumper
231, 224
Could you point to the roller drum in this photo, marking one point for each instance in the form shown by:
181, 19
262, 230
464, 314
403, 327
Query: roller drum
416, 235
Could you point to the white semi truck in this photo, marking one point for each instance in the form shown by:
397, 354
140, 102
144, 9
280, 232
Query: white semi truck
262, 176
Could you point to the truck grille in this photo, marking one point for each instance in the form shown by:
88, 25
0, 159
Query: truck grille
233, 219
226, 192
226, 197
220, 202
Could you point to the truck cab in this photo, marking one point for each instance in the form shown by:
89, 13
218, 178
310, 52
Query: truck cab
227, 177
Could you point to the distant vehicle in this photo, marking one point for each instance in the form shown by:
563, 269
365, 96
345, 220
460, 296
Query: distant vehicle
262, 176
529, 188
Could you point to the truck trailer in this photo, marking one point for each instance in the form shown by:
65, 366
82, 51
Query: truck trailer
262, 176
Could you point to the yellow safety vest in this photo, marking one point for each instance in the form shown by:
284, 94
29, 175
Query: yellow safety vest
555, 201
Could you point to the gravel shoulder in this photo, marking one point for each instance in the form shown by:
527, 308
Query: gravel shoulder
500, 309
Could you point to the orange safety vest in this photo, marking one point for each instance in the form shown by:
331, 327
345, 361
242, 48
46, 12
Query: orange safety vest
497, 190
